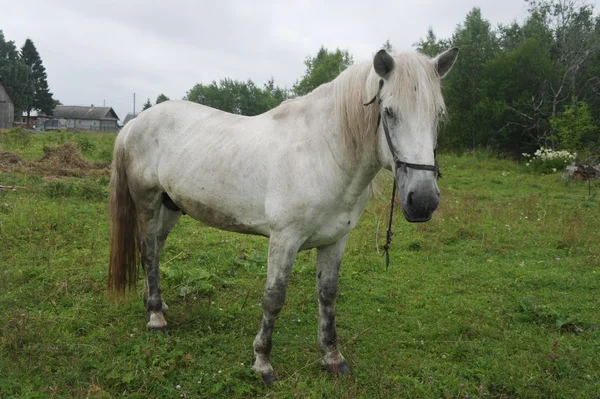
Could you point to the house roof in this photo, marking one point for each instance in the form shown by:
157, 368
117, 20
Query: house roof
7, 91
79, 112
129, 117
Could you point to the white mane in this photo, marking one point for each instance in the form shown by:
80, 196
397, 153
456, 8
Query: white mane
414, 84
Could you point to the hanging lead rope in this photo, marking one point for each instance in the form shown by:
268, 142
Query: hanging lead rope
390, 232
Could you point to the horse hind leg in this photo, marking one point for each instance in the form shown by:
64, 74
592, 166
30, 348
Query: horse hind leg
329, 260
153, 236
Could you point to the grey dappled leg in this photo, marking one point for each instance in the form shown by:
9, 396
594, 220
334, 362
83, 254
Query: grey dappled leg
282, 254
153, 240
149, 249
168, 220
329, 260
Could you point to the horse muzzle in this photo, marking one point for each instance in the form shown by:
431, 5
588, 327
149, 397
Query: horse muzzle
419, 197
418, 208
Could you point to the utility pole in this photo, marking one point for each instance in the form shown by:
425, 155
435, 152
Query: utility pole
133, 104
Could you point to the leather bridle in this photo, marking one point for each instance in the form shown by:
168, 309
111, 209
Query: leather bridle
435, 168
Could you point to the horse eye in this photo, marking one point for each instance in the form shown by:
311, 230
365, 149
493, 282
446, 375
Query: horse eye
389, 113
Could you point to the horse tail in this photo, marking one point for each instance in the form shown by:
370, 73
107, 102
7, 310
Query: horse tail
124, 230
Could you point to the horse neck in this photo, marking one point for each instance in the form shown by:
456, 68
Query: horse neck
355, 166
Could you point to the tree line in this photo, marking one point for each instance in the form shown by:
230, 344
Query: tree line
519, 87
159, 99
246, 98
514, 88
24, 76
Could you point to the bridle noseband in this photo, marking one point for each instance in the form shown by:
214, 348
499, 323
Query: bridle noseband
435, 168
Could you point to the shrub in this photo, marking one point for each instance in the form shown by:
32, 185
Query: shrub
546, 160
574, 128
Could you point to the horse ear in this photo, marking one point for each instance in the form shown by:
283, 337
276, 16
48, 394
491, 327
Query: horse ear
445, 61
383, 63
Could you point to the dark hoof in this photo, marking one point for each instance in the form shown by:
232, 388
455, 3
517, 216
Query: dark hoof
337, 369
269, 378
160, 330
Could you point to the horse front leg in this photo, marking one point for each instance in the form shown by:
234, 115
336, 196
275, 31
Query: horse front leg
282, 253
329, 260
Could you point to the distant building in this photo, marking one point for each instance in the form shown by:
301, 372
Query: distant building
129, 117
75, 118
36, 120
7, 108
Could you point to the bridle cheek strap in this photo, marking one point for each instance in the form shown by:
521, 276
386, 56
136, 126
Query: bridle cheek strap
399, 164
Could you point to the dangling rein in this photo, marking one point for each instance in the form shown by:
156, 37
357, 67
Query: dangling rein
434, 168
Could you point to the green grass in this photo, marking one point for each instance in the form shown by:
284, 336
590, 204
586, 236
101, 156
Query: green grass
96, 147
496, 297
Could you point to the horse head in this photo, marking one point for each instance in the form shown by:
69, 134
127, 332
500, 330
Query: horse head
410, 105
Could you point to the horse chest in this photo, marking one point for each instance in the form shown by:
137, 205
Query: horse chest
336, 223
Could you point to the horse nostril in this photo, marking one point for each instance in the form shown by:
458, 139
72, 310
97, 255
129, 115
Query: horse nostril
409, 200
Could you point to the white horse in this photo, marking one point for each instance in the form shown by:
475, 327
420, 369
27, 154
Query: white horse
298, 174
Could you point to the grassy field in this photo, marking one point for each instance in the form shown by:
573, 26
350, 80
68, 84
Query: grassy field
496, 297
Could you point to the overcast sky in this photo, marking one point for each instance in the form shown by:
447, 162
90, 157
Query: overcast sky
96, 51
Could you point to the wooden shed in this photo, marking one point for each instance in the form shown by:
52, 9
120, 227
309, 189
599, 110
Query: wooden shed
7, 108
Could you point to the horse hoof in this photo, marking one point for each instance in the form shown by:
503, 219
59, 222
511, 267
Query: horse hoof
157, 322
269, 378
159, 330
337, 369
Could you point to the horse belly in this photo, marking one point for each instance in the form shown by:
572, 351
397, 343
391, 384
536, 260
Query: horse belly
222, 213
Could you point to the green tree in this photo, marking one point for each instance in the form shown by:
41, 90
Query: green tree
510, 36
431, 45
522, 86
574, 128
146, 105
589, 80
161, 98
322, 68
575, 42
39, 96
273, 95
513, 87
242, 98
14, 74
478, 44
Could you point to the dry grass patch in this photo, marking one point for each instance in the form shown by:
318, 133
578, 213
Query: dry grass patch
62, 160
